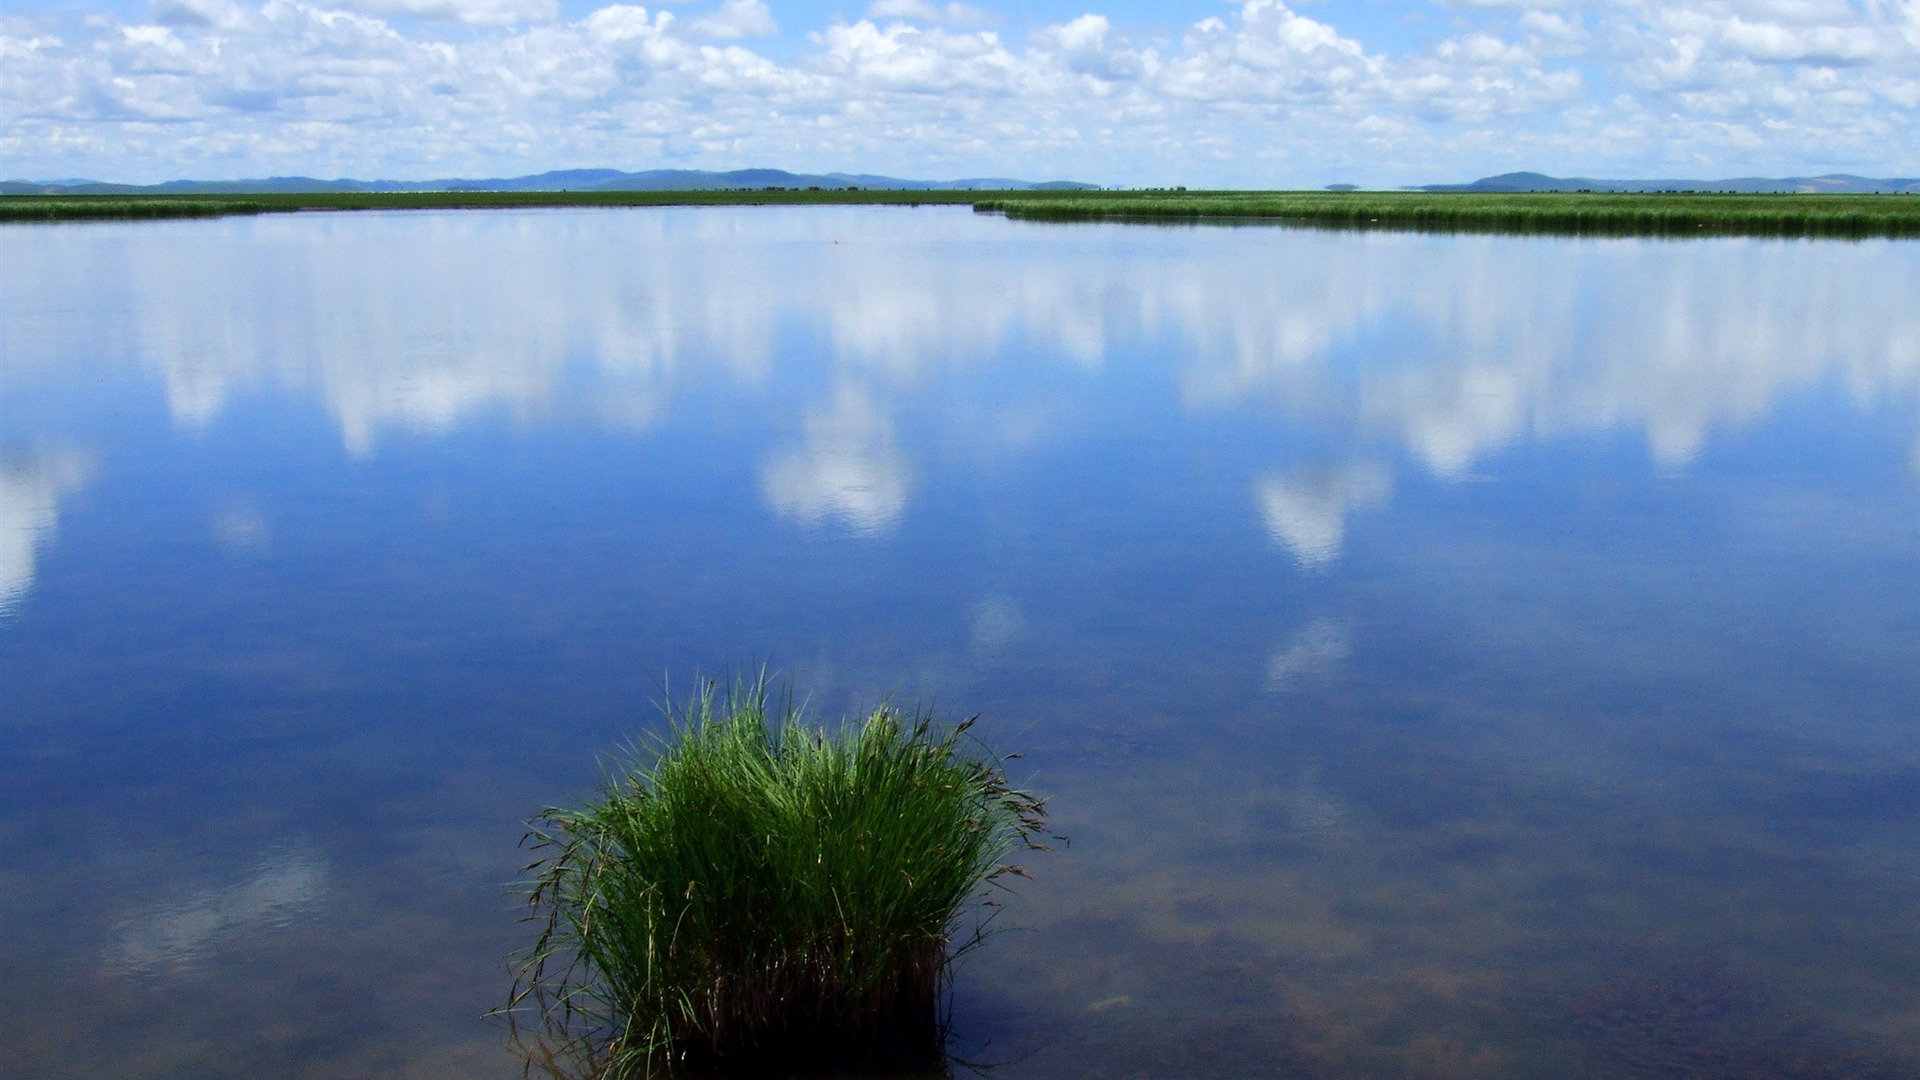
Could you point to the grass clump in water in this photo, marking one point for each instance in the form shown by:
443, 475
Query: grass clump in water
750, 890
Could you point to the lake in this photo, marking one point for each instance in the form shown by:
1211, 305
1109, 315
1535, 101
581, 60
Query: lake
1449, 655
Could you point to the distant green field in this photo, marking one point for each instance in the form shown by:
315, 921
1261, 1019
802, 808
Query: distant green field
1567, 214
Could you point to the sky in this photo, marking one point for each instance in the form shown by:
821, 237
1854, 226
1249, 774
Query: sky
1202, 93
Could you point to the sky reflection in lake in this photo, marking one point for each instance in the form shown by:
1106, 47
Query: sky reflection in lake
1451, 655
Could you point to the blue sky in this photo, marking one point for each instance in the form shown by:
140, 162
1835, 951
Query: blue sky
1257, 93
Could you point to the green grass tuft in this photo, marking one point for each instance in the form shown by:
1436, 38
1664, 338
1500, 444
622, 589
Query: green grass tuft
752, 890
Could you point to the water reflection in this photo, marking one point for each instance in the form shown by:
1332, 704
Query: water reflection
1364, 765
848, 467
1512, 341
1314, 651
1306, 509
31, 486
1471, 344
995, 623
242, 529
285, 885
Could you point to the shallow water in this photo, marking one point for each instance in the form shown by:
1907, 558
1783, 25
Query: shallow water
1449, 655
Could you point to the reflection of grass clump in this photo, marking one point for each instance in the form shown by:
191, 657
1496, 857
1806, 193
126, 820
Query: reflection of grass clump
752, 889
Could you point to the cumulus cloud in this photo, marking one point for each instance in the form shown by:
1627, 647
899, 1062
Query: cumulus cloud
736, 19
473, 12
1512, 5
1089, 45
1272, 54
920, 11
1261, 93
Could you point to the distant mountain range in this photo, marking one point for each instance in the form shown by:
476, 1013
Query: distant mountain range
562, 180
757, 179
1837, 183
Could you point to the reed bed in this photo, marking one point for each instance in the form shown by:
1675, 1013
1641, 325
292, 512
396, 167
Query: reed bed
751, 891
1555, 213
1669, 214
94, 207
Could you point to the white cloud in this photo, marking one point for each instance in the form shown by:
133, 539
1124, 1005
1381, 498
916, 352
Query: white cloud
920, 11
1272, 55
1261, 94
1090, 46
472, 12
225, 14
1552, 26
736, 20
1779, 33
900, 57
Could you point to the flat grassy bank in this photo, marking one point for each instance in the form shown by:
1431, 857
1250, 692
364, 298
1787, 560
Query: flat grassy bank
97, 207
1558, 213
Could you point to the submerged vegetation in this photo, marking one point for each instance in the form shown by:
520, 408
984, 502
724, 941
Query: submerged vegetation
751, 889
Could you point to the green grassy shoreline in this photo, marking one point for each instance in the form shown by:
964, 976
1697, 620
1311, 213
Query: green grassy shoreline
97, 207
1555, 213
1671, 214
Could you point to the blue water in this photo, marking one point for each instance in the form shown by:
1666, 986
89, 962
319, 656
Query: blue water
1449, 655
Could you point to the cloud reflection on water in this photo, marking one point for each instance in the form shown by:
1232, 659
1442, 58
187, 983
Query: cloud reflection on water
1314, 651
1306, 509
242, 529
284, 886
31, 486
1453, 348
1371, 875
994, 623
848, 468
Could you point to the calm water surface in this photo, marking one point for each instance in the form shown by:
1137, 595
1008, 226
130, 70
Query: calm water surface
1451, 656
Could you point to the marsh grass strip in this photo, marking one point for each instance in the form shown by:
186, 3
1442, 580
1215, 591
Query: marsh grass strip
1551, 213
